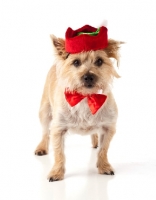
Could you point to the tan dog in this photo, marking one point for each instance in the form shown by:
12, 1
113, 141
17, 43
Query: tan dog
86, 73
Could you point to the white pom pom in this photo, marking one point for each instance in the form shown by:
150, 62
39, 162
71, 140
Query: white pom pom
103, 23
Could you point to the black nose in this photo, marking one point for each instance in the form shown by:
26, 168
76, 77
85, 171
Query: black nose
89, 80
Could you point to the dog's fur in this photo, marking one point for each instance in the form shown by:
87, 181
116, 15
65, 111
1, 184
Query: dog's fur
57, 116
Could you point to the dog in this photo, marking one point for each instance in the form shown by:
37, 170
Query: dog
84, 74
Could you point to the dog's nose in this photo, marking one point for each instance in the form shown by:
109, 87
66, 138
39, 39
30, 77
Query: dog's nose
89, 80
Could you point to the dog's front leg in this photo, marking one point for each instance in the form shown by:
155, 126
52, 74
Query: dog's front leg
58, 170
103, 165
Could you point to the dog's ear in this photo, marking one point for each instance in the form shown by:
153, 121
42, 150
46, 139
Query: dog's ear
112, 49
59, 46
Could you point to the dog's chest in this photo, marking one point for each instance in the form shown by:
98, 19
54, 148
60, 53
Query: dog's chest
79, 119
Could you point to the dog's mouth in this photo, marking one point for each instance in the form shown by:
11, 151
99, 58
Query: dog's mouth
89, 86
88, 89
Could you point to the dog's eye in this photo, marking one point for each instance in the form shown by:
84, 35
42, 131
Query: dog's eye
98, 62
76, 63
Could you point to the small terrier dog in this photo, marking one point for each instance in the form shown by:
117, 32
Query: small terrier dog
67, 102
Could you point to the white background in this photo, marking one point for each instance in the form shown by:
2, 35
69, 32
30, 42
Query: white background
25, 58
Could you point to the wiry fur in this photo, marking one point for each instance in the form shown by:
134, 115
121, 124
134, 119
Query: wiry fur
59, 117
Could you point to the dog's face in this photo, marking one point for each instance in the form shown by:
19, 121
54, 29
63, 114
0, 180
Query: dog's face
86, 72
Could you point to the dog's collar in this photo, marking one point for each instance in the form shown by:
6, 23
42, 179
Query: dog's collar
95, 101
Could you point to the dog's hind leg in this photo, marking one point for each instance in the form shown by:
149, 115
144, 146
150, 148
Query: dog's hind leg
45, 118
94, 139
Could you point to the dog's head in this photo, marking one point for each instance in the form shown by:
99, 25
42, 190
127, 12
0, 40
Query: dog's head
86, 72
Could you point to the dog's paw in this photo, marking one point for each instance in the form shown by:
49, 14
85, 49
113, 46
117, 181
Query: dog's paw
106, 169
53, 176
110, 173
40, 152
52, 179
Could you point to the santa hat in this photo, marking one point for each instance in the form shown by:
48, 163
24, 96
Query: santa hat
86, 38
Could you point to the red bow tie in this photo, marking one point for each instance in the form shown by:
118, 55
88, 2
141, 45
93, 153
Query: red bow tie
95, 101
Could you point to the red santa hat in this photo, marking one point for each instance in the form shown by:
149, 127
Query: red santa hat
86, 38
